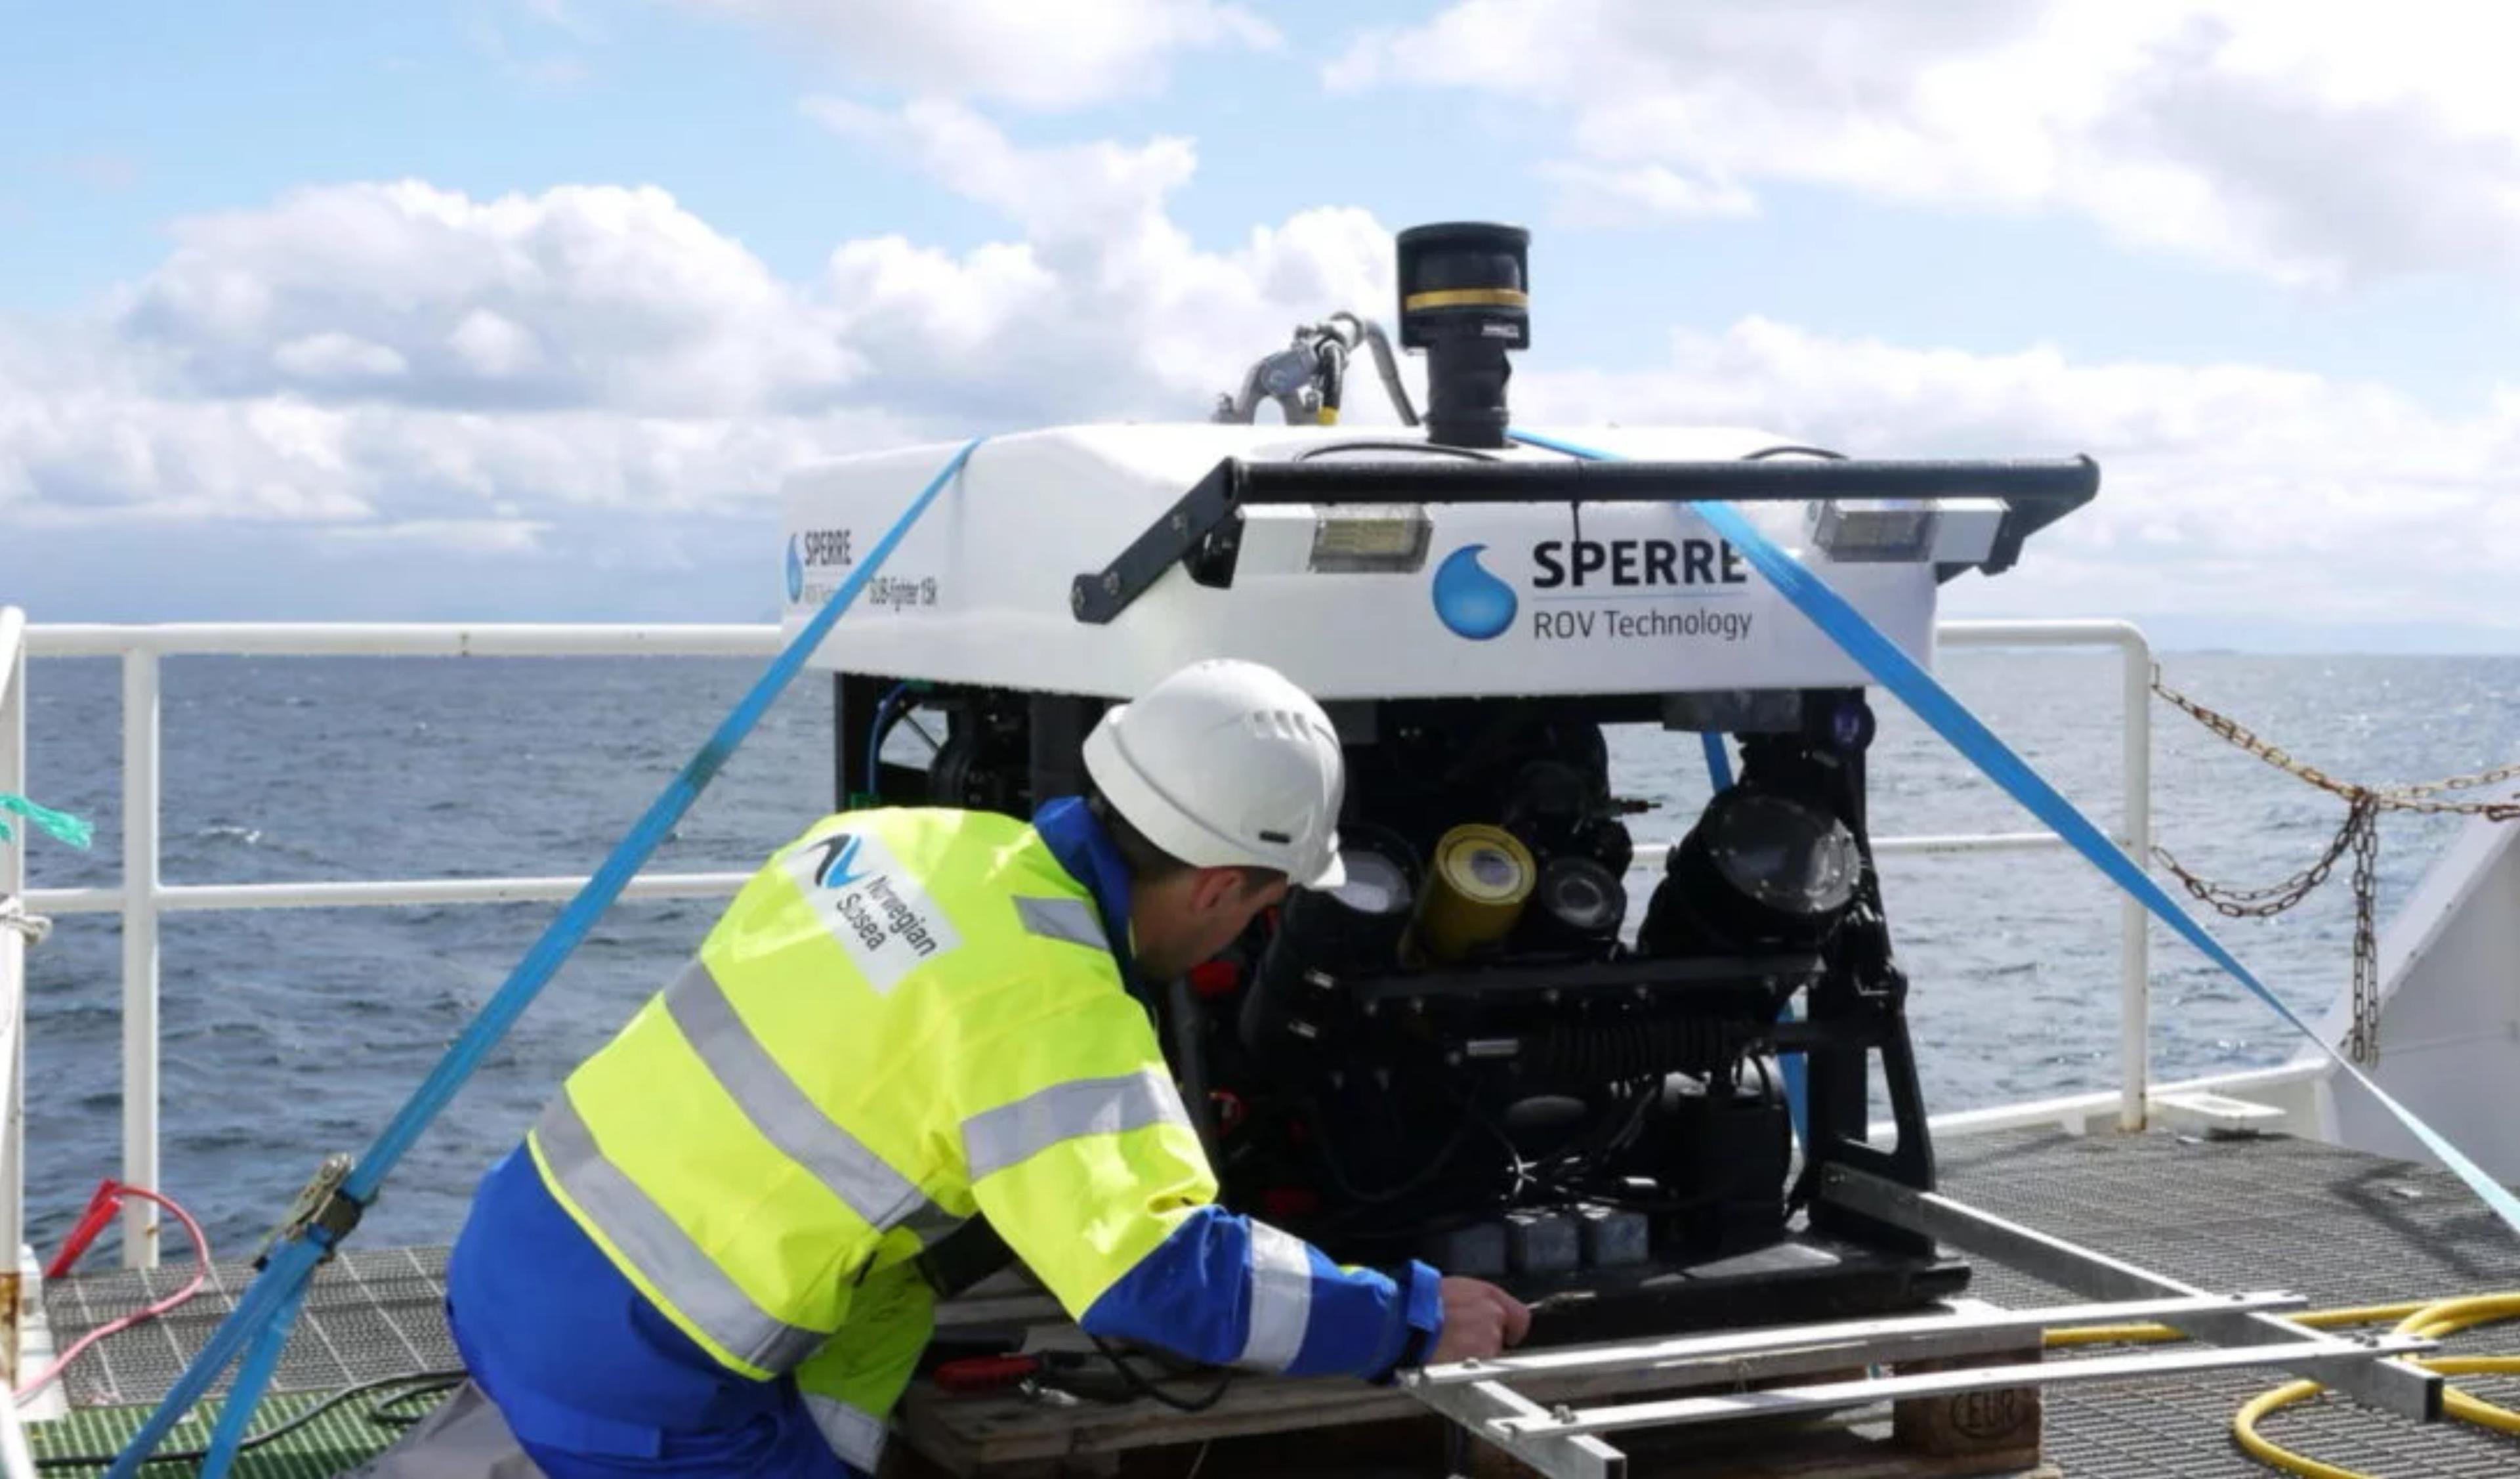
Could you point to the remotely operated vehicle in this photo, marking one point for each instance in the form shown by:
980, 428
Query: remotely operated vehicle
1504, 1044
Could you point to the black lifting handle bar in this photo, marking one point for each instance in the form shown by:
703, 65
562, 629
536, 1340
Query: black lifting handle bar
2034, 493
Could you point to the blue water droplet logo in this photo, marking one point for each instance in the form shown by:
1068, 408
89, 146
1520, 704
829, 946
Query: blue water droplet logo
1470, 601
796, 570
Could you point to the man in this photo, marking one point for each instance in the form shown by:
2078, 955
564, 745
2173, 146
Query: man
702, 1258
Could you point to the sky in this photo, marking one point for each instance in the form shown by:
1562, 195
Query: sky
520, 309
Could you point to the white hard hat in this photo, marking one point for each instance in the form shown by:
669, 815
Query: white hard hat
1226, 763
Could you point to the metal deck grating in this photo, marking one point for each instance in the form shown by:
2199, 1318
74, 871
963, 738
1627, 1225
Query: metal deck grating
2336, 1226
371, 1314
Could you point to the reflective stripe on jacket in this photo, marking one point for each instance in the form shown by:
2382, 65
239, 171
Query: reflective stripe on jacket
905, 1019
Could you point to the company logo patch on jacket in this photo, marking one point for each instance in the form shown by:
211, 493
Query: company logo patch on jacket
871, 905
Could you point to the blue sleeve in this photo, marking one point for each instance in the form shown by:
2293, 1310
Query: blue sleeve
1229, 1290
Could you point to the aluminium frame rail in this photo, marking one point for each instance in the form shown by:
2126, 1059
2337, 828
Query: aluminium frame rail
2236, 1332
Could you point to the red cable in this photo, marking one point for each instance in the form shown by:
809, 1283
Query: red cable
201, 1254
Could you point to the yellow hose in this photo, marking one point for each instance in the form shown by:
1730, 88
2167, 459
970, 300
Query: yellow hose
2427, 1320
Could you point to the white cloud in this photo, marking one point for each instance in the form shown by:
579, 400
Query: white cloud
2319, 142
1058, 193
1015, 51
593, 379
1105, 308
1609, 195
79, 441
641, 304
337, 356
2225, 489
494, 347
93, 431
464, 537
487, 33
398, 355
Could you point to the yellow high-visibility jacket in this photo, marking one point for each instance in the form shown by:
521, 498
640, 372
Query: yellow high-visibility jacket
906, 1019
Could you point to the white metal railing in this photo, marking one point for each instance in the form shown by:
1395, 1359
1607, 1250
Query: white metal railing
2135, 935
2135, 820
12, 988
143, 897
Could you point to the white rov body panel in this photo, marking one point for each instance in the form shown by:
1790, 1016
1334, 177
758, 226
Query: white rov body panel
979, 590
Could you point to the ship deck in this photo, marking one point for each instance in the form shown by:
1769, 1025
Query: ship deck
2335, 1225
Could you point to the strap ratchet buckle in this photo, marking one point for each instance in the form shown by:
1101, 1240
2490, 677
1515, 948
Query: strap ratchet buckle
320, 1204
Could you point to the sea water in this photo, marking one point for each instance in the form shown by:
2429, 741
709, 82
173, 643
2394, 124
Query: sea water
290, 1033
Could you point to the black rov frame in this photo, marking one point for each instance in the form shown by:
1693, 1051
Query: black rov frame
1852, 1261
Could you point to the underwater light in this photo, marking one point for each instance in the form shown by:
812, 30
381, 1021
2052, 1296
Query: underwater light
1874, 531
1370, 537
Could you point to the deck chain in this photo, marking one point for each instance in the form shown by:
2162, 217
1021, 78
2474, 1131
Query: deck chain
2360, 834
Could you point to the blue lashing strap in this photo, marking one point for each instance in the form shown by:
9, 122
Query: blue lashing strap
1950, 718
258, 1326
1719, 774
1719, 763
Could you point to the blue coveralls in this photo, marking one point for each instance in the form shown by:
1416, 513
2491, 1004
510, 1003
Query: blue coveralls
595, 1383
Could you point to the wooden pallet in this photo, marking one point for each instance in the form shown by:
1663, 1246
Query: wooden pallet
1424, 1447
1322, 1428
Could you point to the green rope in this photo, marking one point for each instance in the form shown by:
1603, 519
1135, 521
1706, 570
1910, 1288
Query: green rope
65, 828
